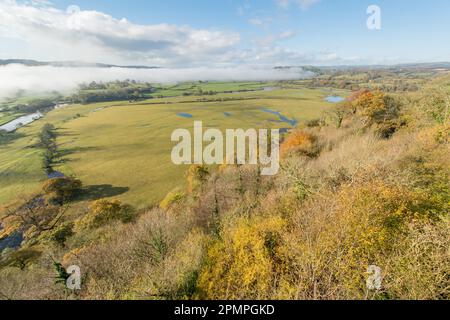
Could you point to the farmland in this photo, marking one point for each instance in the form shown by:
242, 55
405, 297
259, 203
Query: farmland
122, 149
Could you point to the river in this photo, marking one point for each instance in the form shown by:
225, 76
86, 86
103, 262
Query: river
21, 121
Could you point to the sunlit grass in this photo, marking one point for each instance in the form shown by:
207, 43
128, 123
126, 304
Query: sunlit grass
126, 146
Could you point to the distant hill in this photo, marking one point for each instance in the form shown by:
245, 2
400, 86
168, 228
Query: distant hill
432, 65
70, 64
30, 63
417, 66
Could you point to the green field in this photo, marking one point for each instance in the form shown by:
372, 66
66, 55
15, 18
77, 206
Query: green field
6, 117
122, 149
193, 88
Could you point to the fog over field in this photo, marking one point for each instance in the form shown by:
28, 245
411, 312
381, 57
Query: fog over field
41, 79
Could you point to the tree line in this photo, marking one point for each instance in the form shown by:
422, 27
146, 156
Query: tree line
47, 141
114, 91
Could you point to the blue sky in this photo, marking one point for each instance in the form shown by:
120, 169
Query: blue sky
226, 32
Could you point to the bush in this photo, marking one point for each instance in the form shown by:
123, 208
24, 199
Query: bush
102, 212
376, 107
23, 258
436, 103
314, 123
59, 190
300, 143
62, 233
171, 199
359, 226
241, 265
197, 175
420, 266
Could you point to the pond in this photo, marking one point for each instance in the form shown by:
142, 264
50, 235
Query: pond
334, 99
20, 122
185, 115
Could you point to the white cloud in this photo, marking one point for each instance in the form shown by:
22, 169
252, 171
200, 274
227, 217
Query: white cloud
271, 55
304, 4
39, 31
89, 35
15, 78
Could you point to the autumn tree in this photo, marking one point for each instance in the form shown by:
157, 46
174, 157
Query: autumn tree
103, 211
301, 143
196, 176
59, 190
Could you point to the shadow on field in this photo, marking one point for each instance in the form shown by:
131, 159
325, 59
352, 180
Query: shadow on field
96, 192
9, 137
63, 155
66, 133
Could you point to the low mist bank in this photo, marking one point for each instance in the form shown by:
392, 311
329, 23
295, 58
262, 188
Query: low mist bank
18, 78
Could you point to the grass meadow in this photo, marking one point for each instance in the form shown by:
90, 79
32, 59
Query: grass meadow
122, 149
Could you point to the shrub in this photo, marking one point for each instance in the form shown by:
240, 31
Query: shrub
369, 222
197, 175
241, 265
62, 233
420, 266
171, 199
174, 277
436, 103
314, 123
34, 284
23, 258
300, 143
376, 106
59, 190
102, 212
340, 112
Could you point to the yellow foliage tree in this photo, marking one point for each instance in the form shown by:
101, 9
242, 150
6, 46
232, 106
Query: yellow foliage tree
172, 198
241, 265
376, 106
196, 176
104, 211
369, 221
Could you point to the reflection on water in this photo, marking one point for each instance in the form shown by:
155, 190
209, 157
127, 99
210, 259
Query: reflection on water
334, 99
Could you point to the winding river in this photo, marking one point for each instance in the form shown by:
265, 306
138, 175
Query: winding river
21, 121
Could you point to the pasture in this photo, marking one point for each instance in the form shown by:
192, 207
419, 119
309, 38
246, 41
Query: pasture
122, 149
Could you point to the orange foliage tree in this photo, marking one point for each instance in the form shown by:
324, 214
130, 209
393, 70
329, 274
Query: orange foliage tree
301, 143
